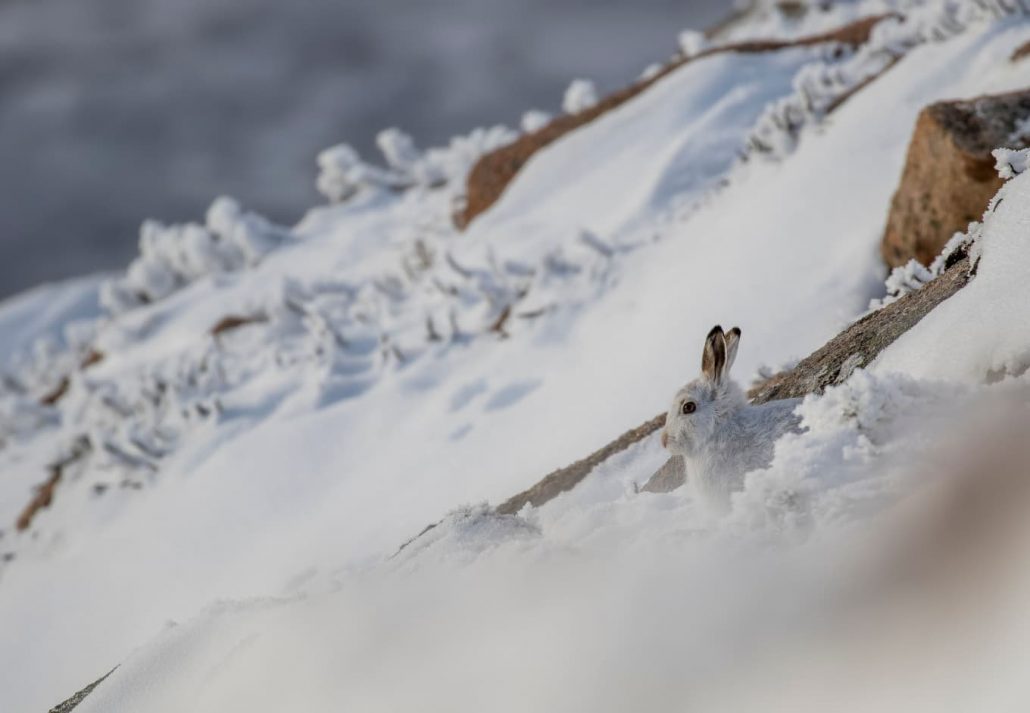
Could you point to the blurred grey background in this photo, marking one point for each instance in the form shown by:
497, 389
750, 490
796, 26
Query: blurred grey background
112, 111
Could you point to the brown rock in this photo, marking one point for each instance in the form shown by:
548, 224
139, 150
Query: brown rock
93, 356
235, 321
1021, 52
44, 495
57, 393
492, 173
949, 175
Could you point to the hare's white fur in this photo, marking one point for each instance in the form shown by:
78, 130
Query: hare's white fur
725, 437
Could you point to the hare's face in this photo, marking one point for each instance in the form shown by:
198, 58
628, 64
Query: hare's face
694, 416
691, 420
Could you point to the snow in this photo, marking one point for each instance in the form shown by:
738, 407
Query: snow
580, 95
692, 42
674, 142
1011, 162
45, 314
257, 484
534, 119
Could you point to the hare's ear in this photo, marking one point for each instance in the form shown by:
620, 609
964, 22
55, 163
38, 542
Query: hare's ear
732, 341
713, 359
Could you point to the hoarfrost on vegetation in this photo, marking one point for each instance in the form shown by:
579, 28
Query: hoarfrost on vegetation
533, 120
1010, 163
692, 42
343, 173
651, 71
580, 95
821, 86
173, 256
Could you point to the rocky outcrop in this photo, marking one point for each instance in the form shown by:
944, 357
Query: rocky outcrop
949, 175
492, 173
853, 348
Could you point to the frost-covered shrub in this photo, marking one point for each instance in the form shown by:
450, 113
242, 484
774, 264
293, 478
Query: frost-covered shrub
343, 173
401, 155
907, 278
533, 120
823, 84
911, 276
651, 71
580, 96
456, 159
172, 256
1010, 163
692, 42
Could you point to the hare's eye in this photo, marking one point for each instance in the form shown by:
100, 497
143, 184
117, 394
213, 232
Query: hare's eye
689, 407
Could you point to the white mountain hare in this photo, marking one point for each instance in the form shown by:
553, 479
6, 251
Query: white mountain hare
720, 435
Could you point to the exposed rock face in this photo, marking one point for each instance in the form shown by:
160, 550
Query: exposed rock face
949, 175
492, 173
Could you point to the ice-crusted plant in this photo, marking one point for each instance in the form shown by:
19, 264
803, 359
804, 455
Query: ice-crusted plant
580, 95
692, 42
173, 256
913, 275
819, 87
651, 71
1011, 162
343, 174
822, 85
533, 120
456, 159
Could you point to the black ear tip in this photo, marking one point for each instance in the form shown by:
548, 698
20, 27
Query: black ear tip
717, 329
735, 331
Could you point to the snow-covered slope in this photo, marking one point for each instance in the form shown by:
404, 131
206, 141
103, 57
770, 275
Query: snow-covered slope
386, 369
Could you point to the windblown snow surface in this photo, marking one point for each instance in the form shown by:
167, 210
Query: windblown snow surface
227, 524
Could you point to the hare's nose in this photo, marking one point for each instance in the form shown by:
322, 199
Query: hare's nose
665, 439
